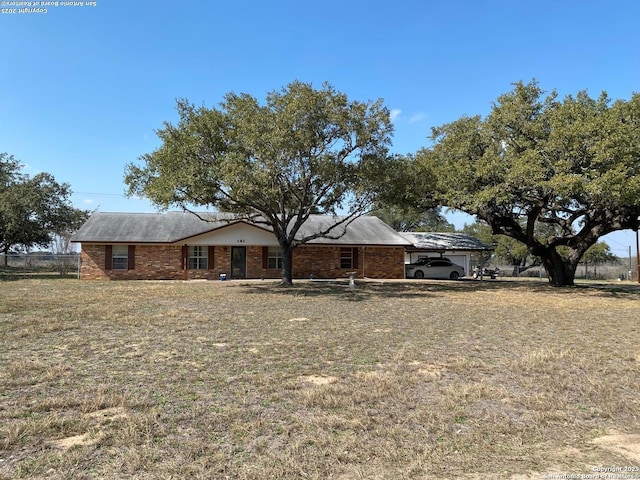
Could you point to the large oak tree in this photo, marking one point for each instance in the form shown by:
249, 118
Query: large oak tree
301, 152
571, 165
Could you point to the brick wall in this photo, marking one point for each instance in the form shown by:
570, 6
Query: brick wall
324, 262
383, 262
164, 262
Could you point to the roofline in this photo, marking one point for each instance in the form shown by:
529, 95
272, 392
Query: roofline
177, 243
403, 245
448, 249
118, 242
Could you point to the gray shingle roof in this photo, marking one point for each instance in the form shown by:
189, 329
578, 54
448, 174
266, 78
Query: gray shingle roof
445, 241
171, 227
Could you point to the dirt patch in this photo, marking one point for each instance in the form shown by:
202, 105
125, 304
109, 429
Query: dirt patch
432, 371
318, 379
625, 445
76, 440
102, 416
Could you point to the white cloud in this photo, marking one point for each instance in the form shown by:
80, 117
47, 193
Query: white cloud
418, 117
395, 113
87, 201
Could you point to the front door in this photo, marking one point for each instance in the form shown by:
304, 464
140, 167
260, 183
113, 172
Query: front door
238, 262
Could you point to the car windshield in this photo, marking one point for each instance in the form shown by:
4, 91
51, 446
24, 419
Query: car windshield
426, 260
422, 261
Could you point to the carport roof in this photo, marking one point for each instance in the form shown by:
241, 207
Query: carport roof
445, 241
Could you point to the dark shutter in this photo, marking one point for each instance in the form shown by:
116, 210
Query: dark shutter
265, 257
108, 257
131, 257
212, 250
185, 253
355, 257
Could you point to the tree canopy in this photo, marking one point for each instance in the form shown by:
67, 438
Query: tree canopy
411, 219
301, 152
571, 165
33, 209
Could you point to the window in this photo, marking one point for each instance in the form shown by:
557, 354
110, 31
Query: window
275, 257
120, 257
440, 263
347, 258
198, 258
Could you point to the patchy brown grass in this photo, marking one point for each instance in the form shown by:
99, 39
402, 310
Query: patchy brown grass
250, 380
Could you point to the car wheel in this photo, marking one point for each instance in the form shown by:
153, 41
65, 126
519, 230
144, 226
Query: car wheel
418, 274
454, 275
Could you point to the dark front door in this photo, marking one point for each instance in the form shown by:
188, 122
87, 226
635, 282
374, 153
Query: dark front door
238, 262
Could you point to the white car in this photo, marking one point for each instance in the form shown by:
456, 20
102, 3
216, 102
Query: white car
434, 268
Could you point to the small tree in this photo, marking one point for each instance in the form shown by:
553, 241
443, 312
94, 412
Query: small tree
572, 166
32, 209
304, 151
598, 254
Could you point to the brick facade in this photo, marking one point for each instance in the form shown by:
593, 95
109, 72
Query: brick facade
166, 262
324, 262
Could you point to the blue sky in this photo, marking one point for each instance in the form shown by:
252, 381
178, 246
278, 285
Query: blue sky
84, 88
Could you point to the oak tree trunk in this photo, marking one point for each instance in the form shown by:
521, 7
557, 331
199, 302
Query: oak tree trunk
560, 271
287, 264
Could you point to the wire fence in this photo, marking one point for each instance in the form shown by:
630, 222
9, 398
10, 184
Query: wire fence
39, 264
609, 271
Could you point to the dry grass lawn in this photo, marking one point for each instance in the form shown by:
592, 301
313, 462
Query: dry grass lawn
249, 380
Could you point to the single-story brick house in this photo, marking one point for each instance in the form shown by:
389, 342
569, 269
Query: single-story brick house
457, 247
179, 245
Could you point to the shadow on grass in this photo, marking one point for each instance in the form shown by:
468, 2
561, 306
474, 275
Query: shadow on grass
13, 276
366, 289
610, 289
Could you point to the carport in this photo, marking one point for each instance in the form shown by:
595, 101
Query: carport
457, 247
